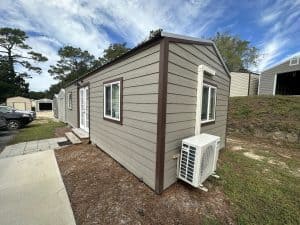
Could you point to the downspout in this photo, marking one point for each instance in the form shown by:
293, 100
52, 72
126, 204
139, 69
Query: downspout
201, 70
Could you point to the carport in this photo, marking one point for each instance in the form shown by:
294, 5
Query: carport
288, 83
44, 105
281, 79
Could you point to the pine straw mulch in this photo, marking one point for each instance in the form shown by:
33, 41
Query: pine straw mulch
101, 191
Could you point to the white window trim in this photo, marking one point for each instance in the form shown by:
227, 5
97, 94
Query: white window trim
296, 63
208, 105
70, 102
104, 100
201, 70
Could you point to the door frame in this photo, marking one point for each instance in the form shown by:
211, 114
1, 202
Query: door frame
86, 85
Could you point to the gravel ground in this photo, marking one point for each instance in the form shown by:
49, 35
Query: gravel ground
101, 191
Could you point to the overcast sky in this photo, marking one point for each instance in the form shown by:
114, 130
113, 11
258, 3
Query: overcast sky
272, 26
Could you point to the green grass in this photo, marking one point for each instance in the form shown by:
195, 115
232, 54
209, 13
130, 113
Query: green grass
38, 129
210, 221
269, 113
260, 193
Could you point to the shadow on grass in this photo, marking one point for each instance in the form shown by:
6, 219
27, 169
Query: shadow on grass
37, 131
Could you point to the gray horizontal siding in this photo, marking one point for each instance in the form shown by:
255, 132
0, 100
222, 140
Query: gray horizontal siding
71, 114
184, 60
266, 84
132, 144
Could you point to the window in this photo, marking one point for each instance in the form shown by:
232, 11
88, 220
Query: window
294, 61
208, 103
70, 100
112, 100
5, 109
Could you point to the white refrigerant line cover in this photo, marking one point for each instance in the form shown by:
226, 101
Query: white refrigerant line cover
201, 70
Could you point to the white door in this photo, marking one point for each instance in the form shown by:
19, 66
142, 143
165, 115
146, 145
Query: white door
84, 108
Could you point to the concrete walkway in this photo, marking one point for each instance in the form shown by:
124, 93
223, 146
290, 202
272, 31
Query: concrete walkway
31, 147
32, 191
5, 137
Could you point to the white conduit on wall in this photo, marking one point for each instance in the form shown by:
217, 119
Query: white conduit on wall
201, 70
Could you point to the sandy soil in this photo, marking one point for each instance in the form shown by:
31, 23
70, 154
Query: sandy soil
101, 191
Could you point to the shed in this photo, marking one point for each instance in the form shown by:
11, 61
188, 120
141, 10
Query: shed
55, 106
61, 105
140, 106
243, 84
281, 79
44, 105
19, 103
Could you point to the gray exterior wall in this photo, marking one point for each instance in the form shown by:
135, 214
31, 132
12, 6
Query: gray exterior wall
132, 144
72, 114
184, 60
266, 85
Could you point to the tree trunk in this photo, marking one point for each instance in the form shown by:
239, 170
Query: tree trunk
12, 73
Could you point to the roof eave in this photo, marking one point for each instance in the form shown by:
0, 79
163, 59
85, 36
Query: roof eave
120, 58
149, 42
200, 41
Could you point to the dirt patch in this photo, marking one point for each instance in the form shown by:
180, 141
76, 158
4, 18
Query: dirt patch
60, 131
251, 155
235, 143
101, 191
278, 163
279, 156
237, 148
40, 121
296, 172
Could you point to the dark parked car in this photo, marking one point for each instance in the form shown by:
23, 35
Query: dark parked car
15, 119
3, 122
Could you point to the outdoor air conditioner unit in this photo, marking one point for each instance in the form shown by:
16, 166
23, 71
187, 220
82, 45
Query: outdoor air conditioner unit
198, 159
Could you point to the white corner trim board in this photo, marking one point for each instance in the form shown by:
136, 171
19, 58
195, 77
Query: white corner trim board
201, 70
274, 84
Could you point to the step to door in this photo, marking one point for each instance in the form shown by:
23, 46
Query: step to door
73, 138
82, 134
